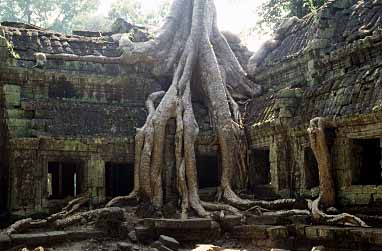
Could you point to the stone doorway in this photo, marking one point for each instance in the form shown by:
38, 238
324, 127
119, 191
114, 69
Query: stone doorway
208, 171
64, 179
366, 162
119, 179
311, 169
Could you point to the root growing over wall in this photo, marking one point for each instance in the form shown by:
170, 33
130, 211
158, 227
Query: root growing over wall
191, 48
327, 197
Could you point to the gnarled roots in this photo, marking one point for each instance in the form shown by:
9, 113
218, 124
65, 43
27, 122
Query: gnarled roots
204, 66
191, 48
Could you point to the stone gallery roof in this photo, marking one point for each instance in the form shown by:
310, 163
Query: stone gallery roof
335, 22
325, 65
71, 99
29, 39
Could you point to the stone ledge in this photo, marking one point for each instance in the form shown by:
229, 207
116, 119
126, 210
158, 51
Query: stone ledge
195, 223
44, 238
197, 229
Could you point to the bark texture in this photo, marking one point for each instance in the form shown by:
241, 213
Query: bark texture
320, 149
191, 47
327, 197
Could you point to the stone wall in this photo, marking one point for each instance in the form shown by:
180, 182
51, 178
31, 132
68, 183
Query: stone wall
73, 112
66, 111
327, 65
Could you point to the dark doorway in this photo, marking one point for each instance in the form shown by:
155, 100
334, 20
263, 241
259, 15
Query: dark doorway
64, 179
3, 187
261, 167
208, 171
119, 179
366, 162
312, 178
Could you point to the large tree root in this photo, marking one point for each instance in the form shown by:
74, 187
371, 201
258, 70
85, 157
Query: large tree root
191, 48
339, 219
97, 215
66, 217
205, 66
73, 206
326, 199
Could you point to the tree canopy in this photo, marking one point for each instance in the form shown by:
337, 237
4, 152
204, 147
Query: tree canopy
273, 12
132, 11
68, 15
58, 15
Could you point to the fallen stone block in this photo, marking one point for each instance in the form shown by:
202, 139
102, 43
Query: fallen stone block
27, 239
160, 246
230, 221
250, 232
198, 229
197, 223
144, 234
124, 246
57, 236
169, 242
84, 234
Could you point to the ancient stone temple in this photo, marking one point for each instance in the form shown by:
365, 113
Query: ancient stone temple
68, 126
329, 66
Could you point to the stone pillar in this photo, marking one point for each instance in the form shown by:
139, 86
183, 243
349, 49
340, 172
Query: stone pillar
96, 178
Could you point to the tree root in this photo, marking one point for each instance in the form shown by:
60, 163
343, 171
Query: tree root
339, 219
191, 48
327, 197
224, 207
90, 216
72, 207
287, 213
19, 226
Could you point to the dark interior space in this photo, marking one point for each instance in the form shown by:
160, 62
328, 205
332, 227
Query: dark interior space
366, 162
311, 169
64, 179
3, 187
260, 167
119, 179
208, 171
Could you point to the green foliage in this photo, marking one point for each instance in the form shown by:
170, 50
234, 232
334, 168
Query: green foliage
133, 12
130, 10
273, 12
67, 15
57, 15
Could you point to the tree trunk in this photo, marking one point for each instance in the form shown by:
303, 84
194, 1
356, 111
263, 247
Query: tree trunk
191, 48
327, 196
320, 149
190, 43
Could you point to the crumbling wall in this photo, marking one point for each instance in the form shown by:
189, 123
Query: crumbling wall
73, 112
328, 66
66, 111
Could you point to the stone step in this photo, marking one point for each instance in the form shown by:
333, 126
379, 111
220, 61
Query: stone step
47, 238
195, 229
